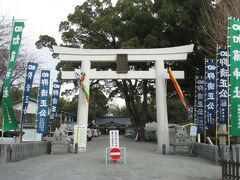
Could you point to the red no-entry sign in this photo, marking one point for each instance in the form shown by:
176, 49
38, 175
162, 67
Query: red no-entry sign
115, 153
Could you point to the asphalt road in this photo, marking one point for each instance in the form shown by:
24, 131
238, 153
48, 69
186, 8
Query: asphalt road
143, 163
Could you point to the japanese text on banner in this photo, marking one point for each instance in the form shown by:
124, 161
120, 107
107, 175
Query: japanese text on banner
43, 102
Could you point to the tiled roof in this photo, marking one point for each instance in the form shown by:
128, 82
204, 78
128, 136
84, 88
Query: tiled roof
31, 99
117, 120
68, 113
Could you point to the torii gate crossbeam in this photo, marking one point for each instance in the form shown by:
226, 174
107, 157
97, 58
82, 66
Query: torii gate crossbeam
158, 55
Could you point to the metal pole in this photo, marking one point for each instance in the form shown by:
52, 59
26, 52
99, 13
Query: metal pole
35, 124
2, 127
21, 118
194, 107
216, 119
228, 44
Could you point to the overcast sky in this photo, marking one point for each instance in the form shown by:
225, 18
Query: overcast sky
41, 18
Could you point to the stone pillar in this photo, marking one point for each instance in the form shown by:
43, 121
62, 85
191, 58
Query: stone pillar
65, 119
222, 134
161, 103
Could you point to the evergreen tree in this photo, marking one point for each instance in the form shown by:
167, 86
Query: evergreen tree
134, 24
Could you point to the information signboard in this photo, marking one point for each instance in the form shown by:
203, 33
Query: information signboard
114, 138
80, 136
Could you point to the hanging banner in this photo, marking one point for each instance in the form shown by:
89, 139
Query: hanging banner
222, 81
10, 121
177, 88
31, 69
55, 98
210, 93
199, 103
81, 76
234, 52
43, 101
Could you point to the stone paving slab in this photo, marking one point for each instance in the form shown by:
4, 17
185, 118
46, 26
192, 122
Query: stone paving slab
143, 163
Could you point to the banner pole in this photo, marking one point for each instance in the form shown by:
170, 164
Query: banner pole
228, 44
34, 137
194, 107
35, 122
216, 119
2, 127
38, 89
21, 119
205, 102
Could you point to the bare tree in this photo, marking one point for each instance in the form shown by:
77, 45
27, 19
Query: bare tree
214, 24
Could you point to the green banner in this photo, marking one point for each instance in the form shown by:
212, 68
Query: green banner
235, 76
10, 121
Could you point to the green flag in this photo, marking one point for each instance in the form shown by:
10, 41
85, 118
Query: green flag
10, 121
235, 76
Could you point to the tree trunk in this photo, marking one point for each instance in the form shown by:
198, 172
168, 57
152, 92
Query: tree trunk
141, 132
143, 117
138, 118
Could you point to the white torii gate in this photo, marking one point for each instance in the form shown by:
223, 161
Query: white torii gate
159, 55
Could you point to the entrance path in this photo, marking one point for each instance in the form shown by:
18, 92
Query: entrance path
142, 164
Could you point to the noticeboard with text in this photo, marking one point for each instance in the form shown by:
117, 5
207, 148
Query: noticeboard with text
114, 138
80, 136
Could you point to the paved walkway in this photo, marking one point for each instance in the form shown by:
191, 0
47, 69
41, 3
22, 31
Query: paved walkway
142, 164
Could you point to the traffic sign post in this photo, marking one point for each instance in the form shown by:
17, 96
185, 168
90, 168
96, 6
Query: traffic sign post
119, 153
115, 153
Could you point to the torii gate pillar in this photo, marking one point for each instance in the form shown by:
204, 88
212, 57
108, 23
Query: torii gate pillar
161, 108
82, 113
162, 118
135, 55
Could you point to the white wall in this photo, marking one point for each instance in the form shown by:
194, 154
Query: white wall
31, 135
